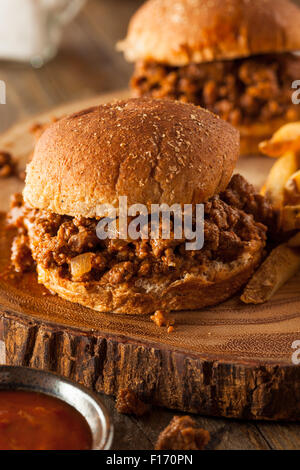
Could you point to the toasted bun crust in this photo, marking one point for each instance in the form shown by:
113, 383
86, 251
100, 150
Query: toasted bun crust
146, 296
151, 151
178, 32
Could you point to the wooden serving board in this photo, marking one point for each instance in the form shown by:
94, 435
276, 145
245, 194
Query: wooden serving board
231, 360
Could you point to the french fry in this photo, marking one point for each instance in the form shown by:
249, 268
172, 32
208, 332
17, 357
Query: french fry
296, 178
282, 263
263, 190
280, 173
294, 242
290, 218
292, 190
283, 189
292, 186
286, 139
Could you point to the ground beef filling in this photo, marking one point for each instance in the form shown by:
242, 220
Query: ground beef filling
182, 433
240, 91
232, 221
129, 403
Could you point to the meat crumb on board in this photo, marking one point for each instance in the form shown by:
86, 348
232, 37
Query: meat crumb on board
161, 318
129, 403
38, 128
7, 165
182, 433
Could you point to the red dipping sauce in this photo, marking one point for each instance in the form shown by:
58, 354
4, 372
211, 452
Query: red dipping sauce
34, 421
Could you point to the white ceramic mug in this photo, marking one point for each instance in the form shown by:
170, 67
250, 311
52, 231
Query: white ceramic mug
31, 30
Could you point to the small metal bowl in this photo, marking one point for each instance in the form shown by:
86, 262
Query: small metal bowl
84, 401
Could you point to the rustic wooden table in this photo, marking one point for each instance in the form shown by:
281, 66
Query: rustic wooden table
87, 64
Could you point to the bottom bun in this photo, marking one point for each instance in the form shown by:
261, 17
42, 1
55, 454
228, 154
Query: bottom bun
146, 295
252, 135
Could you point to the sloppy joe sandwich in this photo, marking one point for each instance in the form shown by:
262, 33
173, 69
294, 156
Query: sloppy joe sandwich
233, 57
151, 152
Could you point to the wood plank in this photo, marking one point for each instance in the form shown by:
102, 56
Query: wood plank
281, 436
225, 434
141, 433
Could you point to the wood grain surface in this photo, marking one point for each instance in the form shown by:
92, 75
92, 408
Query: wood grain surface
88, 64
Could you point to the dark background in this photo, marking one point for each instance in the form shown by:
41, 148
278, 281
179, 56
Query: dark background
87, 63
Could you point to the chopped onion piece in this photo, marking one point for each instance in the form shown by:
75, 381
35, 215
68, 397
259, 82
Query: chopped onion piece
81, 265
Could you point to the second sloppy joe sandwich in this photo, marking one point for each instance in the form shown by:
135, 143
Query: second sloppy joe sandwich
152, 152
233, 57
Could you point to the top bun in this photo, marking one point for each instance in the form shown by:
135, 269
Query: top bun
151, 151
178, 32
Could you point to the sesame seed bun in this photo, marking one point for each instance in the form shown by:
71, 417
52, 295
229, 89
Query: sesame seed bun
152, 151
179, 32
